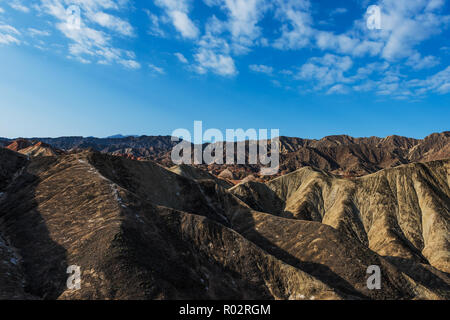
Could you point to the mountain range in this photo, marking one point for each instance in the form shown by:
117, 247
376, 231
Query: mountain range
151, 230
341, 155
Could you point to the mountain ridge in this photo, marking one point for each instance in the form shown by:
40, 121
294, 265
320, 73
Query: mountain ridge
338, 154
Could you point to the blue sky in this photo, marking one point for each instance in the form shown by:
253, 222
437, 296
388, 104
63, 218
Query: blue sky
308, 68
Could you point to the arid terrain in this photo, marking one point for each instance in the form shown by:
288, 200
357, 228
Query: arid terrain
140, 227
340, 155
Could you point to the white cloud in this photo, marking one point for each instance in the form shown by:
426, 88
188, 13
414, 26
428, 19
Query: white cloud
276, 83
19, 6
296, 29
80, 59
333, 74
155, 25
371, 68
397, 85
346, 44
214, 26
235, 27
407, 23
287, 72
212, 3
130, 64
88, 43
111, 22
40, 33
177, 11
2, 10
213, 55
325, 71
417, 62
8, 35
8, 39
339, 11
9, 29
91, 5
183, 24
390, 81
220, 64
444, 88
438, 83
240, 27
243, 17
261, 68
338, 89
156, 69
215, 43
240, 31
181, 57
367, 86
389, 85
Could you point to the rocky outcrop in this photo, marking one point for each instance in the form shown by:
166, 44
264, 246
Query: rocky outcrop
19, 144
33, 148
40, 149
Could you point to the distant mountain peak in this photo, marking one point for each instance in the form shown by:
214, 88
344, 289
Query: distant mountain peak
121, 136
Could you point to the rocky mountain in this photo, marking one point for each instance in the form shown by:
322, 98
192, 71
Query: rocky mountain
138, 230
400, 213
121, 136
143, 146
19, 144
33, 148
345, 155
342, 155
40, 149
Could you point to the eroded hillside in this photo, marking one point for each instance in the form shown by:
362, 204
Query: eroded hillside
140, 231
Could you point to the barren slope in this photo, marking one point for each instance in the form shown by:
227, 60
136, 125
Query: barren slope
65, 211
138, 230
400, 213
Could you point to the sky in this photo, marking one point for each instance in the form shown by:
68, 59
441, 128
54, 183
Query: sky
308, 68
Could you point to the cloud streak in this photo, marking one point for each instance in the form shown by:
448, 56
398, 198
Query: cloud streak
177, 11
9, 35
